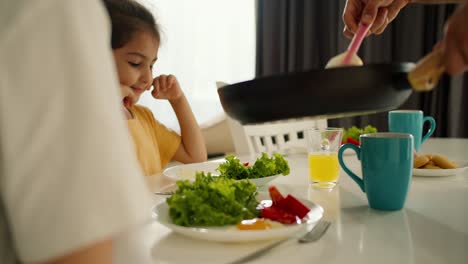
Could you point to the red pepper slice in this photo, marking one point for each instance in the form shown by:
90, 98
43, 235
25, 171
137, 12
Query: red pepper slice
275, 195
246, 164
284, 210
277, 214
353, 141
332, 135
291, 204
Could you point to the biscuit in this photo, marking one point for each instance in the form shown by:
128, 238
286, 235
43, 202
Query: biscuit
429, 156
443, 162
430, 166
420, 161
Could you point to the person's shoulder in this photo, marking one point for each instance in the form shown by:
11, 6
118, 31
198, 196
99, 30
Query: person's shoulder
142, 112
141, 109
22, 17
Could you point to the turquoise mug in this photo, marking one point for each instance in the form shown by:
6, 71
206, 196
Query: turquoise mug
411, 121
387, 163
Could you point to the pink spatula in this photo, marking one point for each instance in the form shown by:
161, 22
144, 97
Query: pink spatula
349, 57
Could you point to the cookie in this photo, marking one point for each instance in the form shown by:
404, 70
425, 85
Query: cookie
430, 166
420, 161
429, 156
443, 162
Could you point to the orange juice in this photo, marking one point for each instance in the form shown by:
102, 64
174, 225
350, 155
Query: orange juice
324, 167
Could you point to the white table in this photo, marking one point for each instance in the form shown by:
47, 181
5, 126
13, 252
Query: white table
432, 228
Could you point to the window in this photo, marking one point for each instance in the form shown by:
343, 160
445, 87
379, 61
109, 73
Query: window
202, 42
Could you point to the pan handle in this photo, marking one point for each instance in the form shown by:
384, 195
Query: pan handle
425, 76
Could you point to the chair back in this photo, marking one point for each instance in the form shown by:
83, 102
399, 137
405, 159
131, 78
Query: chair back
284, 137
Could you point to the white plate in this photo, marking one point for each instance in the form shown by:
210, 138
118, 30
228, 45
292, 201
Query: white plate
463, 165
231, 233
187, 172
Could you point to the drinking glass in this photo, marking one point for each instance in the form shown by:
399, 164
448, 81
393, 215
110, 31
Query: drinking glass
322, 147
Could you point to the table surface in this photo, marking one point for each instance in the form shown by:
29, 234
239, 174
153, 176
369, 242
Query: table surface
432, 228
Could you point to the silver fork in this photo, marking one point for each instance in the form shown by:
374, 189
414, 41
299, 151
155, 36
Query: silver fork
316, 233
313, 235
164, 193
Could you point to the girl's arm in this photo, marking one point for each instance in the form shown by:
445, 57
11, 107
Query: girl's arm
192, 147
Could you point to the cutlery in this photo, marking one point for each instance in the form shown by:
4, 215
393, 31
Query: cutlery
313, 235
164, 193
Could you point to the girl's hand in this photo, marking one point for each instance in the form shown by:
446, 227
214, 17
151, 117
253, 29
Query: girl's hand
166, 87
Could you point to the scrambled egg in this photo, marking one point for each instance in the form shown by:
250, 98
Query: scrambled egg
337, 61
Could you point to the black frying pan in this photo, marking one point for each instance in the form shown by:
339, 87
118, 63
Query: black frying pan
330, 93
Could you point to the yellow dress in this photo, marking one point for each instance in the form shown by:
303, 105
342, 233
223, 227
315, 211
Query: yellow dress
155, 144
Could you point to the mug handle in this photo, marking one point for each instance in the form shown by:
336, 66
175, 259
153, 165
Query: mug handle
351, 174
431, 128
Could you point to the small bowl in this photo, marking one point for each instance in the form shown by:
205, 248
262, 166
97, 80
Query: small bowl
188, 171
260, 182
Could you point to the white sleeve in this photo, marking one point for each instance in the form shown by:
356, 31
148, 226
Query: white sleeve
69, 176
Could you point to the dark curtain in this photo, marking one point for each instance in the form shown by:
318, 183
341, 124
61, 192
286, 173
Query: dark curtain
297, 35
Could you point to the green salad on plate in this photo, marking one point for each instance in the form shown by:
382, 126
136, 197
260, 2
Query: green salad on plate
264, 166
212, 201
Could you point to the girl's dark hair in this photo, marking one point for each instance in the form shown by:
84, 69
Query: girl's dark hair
129, 17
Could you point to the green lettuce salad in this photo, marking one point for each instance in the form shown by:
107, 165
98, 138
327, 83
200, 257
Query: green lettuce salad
212, 201
226, 199
264, 166
354, 132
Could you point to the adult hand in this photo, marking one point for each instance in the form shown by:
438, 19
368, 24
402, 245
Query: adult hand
166, 87
379, 13
454, 44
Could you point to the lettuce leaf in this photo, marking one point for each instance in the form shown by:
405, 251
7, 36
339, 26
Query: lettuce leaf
264, 166
370, 129
233, 169
354, 132
212, 201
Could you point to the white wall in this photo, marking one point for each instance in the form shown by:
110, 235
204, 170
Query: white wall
203, 41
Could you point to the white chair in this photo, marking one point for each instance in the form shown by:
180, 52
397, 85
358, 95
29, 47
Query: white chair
285, 136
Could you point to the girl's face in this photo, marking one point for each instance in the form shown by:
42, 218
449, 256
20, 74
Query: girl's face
134, 63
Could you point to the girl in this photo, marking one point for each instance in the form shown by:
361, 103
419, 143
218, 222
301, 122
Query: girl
135, 44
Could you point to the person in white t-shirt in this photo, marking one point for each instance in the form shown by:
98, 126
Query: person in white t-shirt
66, 188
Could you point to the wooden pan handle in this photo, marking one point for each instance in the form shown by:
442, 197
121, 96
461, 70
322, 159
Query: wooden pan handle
425, 76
